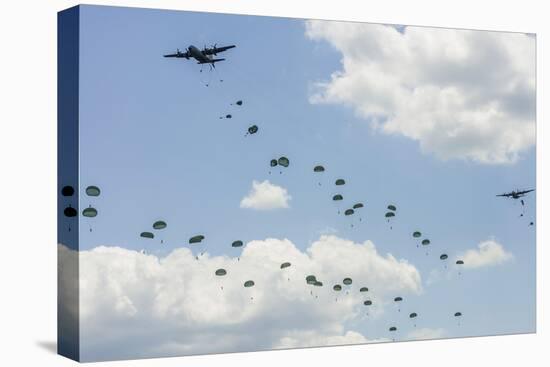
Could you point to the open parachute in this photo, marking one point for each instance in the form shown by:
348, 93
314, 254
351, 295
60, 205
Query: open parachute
196, 239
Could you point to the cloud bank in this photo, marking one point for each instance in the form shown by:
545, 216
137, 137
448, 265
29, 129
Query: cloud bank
266, 196
488, 253
460, 94
135, 305
426, 334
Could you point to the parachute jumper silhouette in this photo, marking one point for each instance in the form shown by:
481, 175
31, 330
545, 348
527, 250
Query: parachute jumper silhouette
444, 257
249, 284
337, 288
69, 211
319, 169
458, 315
426, 242
237, 244
390, 214
158, 225
91, 212
283, 162
197, 240
413, 316
252, 130
347, 282
392, 330
355, 207
459, 262
220, 273
284, 266
397, 300
337, 198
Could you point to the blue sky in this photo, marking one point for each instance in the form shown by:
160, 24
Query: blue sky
151, 138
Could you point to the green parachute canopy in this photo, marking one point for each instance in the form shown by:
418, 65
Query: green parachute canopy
417, 234
283, 161
147, 235
363, 289
367, 302
398, 299
390, 214
273, 163
413, 315
253, 129
347, 281
426, 242
221, 272
459, 262
340, 182
337, 287
393, 328
228, 116
239, 103
349, 212
92, 191
89, 212
249, 283
285, 265
70, 212
358, 205
310, 279
196, 239
458, 314
237, 244
337, 197
443, 257
318, 283
392, 207
319, 169
67, 191
159, 224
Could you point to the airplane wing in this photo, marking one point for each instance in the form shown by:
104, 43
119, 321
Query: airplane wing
179, 55
215, 50
505, 195
525, 191
211, 61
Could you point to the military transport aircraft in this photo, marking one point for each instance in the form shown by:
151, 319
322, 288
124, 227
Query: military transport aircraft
204, 56
516, 194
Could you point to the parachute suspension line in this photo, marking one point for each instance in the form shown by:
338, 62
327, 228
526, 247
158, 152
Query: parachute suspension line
218, 76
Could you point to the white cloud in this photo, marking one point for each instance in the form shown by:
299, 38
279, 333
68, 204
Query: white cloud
265, 196
426, 333
312, 339
460, 94
488, 253
136, 305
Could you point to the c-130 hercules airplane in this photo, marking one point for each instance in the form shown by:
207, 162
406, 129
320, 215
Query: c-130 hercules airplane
203, 56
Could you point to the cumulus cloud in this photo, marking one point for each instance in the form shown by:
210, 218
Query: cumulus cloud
137, 305
265, 196
488, 253
426, 334
458, 93
312, 339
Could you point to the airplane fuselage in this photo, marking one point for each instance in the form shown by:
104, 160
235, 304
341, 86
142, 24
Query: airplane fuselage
198, 55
